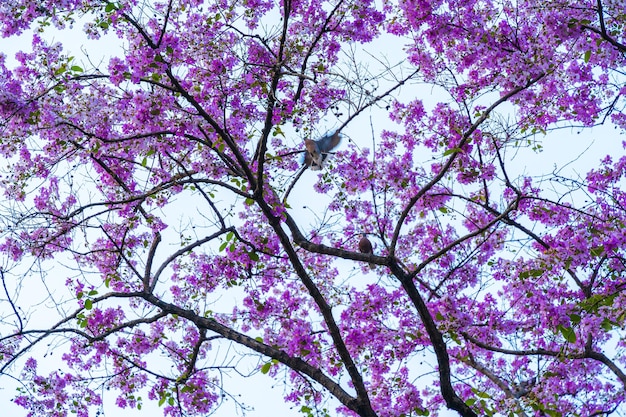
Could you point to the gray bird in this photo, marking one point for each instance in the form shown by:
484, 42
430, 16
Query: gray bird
365, 246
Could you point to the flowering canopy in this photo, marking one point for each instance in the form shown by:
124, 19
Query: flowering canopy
163, 185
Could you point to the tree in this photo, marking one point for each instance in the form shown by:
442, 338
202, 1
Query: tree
157, 198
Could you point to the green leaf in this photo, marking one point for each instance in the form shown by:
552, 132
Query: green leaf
82, 322
567, 332
480, 394
266, 368
277, 131
253, 256
607, 325
110, 7
88, 304
531, 273
587, 56
597, 251
596, 301
223, 246
574, 318
96, 147
451, 151
61, 70
76, 68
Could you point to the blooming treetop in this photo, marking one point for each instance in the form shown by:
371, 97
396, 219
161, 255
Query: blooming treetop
166, 180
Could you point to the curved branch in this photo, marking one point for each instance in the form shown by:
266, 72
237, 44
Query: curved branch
453, 401
56, 328
377, 99
178, 88
587, 354
148, 269
259, 155
6, 291
602, 31
471, 361
500, 217
306, 244
363, 404
448, 164
184, 250
324, 28
293, 362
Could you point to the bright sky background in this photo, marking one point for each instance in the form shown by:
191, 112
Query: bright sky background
260, 391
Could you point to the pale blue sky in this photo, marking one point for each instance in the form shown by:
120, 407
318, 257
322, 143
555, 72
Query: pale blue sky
563, 146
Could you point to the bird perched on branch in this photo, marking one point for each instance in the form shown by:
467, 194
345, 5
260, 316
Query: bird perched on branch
365, 246
318, 150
